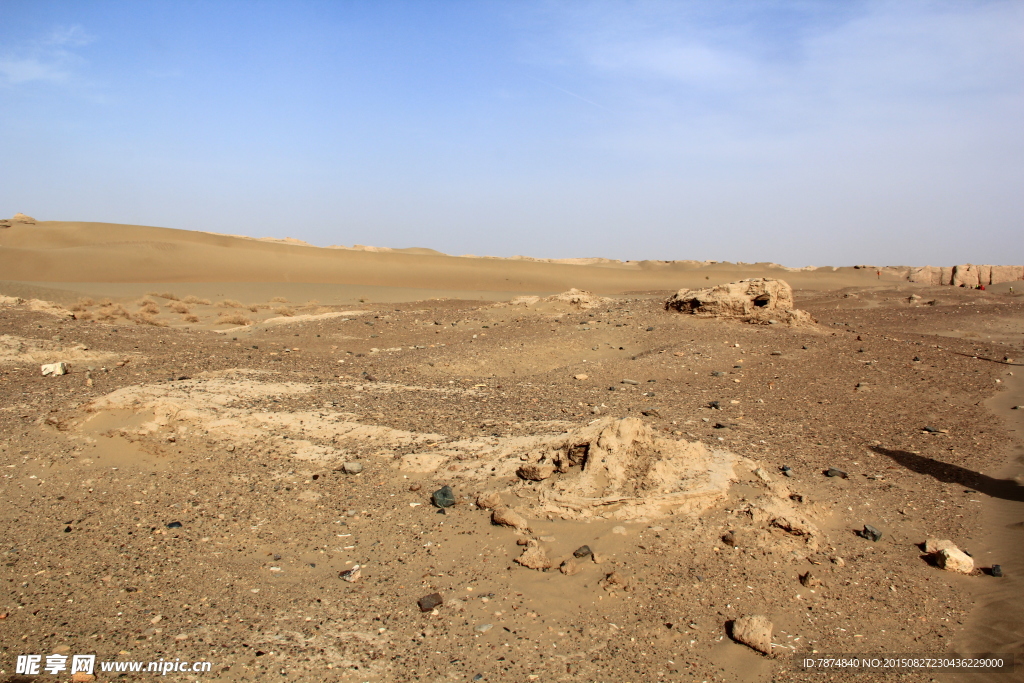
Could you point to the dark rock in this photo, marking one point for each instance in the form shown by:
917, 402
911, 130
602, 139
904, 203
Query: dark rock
997, 570
715, 405
717, 373
650, 413
930, 430
429, 602
729, 538
917, 359
443, 497
174, 525
871, 533
834, 472
650, 329
787, 470
630, 381
584, 551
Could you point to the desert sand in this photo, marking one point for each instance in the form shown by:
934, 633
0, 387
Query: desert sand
238, 466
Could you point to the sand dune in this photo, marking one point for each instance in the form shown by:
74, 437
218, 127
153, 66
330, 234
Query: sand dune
54, 251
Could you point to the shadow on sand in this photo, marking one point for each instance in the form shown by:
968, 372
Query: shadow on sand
1006, 489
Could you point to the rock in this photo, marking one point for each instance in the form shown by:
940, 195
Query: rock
650, 413
954, 560
617, 579
809, 580
756, 300
871, 533
429, 602
934, 545
415, 487
54, 369
833, 472
598, 558
483, 628
580, 377
443, 497
729, 538
837, 561
996, 571
619, 530
22, 218
754, 631
506, 516
488, 501
930, 430
787, 471
630, 381
569, 567
534, 557
174, 525
967, 275
352, 467
715, 405
352, 575
582, 551
535, 471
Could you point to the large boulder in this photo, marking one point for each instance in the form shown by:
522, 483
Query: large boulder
756, 300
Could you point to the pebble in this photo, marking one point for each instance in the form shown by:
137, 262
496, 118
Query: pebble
630, 381
174, 525
443, 497
787, 471
482, 628
506, 516
715, 405
415, 487
871, 533
569, 567
582, 551
717, 373
488, 501
352, 467
581, 377
429, 602
997, 570
835, 472
352, 575
650, 413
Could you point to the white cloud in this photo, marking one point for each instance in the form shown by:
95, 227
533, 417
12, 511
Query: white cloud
15, 71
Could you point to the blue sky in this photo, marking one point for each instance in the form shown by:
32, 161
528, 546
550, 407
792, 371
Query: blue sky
804, 132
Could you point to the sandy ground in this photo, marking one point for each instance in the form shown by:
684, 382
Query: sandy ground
182, 492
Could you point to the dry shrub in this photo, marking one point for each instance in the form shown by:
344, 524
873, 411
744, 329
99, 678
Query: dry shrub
178, 307
82, 304
193, 299
144, 319
106, 302
146, 300
253, 307
233, 319
149, 309
113, 312
279, 300
230, 303
168, 295
285, 311
84, 315
190, 318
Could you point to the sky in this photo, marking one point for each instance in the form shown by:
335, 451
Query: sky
804, 132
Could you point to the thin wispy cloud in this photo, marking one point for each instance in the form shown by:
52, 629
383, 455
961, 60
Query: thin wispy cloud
48, 59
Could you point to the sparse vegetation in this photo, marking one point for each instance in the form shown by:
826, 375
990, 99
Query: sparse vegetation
233, 319
230, 303
284, 310
84, 315
144, 319
178, 307
254, 308
82, 304
168, 295
193, 299
149, 308
279, 300
114, 311
190, 318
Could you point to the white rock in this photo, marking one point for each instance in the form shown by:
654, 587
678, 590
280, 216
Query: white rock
55, 369
953, 560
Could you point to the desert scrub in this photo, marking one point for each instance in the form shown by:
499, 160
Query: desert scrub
168, 295
144, 319
178, 307
233, 319
285, 311
149, 309
190, 318
279, 300
193, 299
253, 308
230, 303
113, 312
82, 304
84, 315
